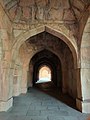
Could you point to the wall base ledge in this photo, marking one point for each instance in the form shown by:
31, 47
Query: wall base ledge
5, 105
83, 106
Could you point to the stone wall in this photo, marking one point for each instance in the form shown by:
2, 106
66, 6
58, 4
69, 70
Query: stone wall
27, 14
85, 67
65, 19
6, 83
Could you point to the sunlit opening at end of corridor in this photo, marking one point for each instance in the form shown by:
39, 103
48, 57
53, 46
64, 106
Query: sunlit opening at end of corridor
44, 74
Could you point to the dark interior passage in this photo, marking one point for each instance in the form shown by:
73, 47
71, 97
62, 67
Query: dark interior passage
53, 52
45, 57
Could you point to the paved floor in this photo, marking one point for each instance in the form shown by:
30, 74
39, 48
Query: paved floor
37, 105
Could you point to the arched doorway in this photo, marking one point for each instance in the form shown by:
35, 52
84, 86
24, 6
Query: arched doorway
44, 74
46, 58
48, 42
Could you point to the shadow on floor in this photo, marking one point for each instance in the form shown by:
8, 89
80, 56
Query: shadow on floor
50, 89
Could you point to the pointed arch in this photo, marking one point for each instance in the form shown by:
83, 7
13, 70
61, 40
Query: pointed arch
67, 38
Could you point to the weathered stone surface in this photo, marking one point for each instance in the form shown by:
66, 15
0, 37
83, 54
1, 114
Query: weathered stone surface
21, 26
86, 1
68, 15
39, 11
85, 40
17, 32
87, 27
6, 1
77, 13
85, 80
11, 4
18, 14
26, 13
85, 54
26, 3
66, 4
12, 12
78, 4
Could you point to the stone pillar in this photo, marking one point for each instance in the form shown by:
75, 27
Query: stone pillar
6, 99
6, 83
83, 101
79, 90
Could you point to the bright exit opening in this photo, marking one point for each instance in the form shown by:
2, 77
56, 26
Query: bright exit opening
44, 74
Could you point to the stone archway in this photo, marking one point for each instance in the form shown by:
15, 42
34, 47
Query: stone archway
70, 44
62, 34
44, 73
63, 58
42, 58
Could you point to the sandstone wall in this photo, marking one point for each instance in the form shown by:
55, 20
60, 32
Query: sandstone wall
22, 19
85, 67
6, 83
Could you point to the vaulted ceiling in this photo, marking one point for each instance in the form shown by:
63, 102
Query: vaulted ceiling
28, 11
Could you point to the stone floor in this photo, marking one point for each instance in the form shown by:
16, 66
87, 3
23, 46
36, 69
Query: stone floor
37, 105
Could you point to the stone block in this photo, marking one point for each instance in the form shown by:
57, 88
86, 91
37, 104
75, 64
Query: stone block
87, 28
5, 105
68, 15
18, 15
41, 108
77, 13
36, 118
17, 32
7, 56
55, 14
85, 64
85, 40
56, 118
78, 4
6, 2
85, 83
16, 90
11, 4
5, 64
65, 4
20, 26
24, 90
12, 12
3, 34
26, 13
85, 54
15, 80
33, 113
15, 117
83, 106
26, 3
89, 19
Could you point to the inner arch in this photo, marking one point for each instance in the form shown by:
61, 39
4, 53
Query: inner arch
44, 74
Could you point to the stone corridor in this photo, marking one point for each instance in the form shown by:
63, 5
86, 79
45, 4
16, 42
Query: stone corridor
37, 33
38, 105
